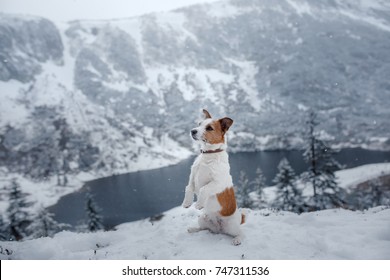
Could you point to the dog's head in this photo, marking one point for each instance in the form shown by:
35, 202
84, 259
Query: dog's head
211, 131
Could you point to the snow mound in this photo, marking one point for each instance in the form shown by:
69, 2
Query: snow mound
353, 176
329, 234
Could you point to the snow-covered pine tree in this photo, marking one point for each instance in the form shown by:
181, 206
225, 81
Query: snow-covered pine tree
17, 213
3, 229
288, 196
310, 153
376, 192
62, 140
375, 195
329, 194
322, 168
258, 185
94, 219
44, 225
243, 190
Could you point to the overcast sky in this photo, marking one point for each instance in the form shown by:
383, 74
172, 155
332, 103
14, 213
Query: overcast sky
64, 10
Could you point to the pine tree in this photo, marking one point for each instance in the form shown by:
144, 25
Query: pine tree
375, 195
329, 193
3, 229
243, 190
376, 192
311, 152
258, 186
94, 219
18, 215
44, 225
288, 196
322, 168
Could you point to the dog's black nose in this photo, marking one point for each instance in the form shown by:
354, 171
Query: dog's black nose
194, 132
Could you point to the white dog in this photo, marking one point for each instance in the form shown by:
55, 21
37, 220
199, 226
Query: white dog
210, 180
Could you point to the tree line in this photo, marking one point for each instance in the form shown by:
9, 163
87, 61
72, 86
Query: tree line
315, 189
19, 223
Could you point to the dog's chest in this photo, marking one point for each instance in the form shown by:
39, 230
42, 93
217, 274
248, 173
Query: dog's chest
211, 168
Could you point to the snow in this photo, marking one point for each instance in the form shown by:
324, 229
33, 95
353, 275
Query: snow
353, 176
302, 107
247, 82
379, 5
191, 81
10, 110
224, 9
134, 28
175, 21
301, 8
60, 11
330, 234
367, 19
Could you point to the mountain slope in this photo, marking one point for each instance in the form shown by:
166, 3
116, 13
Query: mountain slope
116, 95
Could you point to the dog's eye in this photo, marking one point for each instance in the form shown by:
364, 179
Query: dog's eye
209, 128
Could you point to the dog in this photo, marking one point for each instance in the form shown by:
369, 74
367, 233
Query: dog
211, 181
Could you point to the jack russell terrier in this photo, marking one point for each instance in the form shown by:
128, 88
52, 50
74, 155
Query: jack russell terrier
210, 180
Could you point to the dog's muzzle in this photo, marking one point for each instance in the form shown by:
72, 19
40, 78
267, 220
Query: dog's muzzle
194, 132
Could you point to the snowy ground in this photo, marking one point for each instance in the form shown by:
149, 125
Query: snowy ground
330, 234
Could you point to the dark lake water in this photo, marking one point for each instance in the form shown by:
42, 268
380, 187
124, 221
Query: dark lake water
137, 195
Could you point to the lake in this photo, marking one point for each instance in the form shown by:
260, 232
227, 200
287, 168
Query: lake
142, 194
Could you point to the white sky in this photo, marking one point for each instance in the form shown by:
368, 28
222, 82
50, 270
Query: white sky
64, 10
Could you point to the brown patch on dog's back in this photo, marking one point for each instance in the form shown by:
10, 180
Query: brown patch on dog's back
227, 200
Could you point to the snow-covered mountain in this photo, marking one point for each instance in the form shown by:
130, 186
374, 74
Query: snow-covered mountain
122, 94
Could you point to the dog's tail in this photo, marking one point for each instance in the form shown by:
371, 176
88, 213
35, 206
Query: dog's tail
243, 216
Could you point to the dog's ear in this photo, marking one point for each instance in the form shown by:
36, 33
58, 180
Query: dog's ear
225, 124
206, 114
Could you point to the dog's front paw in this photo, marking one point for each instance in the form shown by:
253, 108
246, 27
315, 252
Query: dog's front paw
186, 204
198, 206
193, 229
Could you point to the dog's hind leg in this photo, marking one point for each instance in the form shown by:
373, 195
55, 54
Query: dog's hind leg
236, 240
231, 226
205, 223
195, 229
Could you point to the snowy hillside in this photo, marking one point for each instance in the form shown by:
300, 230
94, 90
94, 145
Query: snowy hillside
330, 234
91, 98
117, 95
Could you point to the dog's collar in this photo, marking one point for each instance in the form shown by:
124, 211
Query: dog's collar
211, 151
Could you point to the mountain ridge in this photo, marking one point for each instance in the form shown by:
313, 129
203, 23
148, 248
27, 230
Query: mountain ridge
125, 88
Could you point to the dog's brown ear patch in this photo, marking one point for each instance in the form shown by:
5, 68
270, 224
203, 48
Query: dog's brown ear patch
227, 200
225, 123
206, 114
